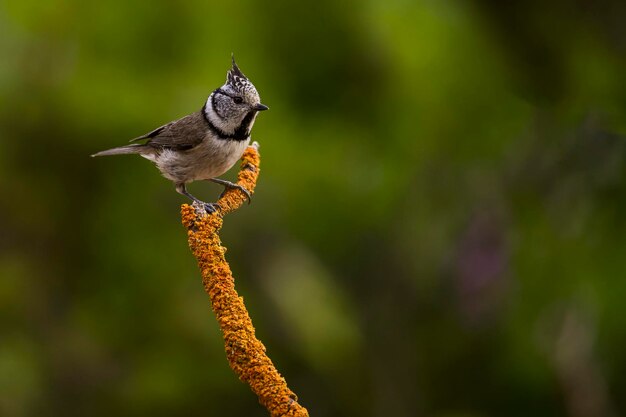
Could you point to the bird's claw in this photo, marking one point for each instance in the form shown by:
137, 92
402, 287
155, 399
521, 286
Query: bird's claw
238, 187
230, 185
212, 207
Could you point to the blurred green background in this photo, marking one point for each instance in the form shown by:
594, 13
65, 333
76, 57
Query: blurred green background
438, 229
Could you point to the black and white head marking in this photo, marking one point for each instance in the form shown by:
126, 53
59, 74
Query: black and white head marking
231, 109
235, 77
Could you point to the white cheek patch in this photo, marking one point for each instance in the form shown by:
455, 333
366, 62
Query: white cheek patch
215, 118
209, 111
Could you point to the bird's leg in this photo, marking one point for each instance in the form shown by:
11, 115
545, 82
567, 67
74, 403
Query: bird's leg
209, 207
230, 185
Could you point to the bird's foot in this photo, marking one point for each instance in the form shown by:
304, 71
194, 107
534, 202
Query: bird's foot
211, 207
208, 207
231, 185
237, 187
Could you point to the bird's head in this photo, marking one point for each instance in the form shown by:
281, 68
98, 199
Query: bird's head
235, 104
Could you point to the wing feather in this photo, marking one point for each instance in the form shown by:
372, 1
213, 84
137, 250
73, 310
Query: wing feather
181, 134
151, 134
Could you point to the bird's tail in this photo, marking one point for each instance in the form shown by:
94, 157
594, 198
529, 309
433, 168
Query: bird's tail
122, 150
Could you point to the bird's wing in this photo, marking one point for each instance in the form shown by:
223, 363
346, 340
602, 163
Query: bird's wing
151, 134
181, 134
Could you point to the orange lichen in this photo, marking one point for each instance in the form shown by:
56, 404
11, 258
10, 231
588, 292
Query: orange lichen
246, 354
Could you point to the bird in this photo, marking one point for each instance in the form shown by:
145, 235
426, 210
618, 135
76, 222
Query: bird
205, 144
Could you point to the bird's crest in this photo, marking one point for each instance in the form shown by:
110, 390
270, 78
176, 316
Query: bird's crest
235, 77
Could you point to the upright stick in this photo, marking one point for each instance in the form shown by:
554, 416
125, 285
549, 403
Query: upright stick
246, 354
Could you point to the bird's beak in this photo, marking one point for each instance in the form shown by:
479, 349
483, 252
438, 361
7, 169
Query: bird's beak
260, 107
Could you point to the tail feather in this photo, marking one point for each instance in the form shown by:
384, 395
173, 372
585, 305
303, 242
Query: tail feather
122, 150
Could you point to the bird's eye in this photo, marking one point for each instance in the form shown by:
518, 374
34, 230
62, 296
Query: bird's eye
238, 100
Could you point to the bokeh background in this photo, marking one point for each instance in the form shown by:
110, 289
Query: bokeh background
438, 229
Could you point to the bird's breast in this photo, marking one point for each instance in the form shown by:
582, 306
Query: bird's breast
209, 159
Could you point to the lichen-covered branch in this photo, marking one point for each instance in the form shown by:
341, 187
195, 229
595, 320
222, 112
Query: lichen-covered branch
246, 354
